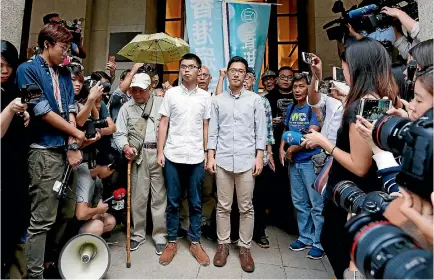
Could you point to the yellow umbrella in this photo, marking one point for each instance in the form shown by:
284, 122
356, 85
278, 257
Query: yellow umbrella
158, 48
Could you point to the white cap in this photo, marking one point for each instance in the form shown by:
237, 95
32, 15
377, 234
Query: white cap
141, 80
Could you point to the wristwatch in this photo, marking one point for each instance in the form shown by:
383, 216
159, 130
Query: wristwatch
73, 146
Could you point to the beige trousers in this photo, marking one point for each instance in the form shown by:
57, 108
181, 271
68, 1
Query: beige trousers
243, 183
148, 178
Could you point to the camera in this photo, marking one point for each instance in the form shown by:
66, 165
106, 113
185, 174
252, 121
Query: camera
90, 127
413, 140
381, 250
89, 83
349, 197
146, 68
75, 27
30, 92
366, 18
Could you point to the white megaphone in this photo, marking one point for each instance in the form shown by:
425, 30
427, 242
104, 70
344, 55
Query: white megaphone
85, 256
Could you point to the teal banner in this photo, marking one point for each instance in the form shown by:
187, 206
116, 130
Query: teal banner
247, 29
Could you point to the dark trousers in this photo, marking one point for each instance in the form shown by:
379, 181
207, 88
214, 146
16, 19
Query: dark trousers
262, 198
333, 236
190, 176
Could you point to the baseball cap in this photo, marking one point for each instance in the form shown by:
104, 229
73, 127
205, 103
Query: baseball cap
141, 80
268, 73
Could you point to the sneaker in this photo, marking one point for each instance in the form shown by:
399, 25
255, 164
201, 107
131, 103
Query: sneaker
159, 248
182, 233
262, 242
134, 245
315, 253
298, 246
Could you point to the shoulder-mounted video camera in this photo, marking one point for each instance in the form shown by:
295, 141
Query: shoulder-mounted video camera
366, 18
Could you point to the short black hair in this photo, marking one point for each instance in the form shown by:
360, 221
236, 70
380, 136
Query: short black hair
98, 75
191, 56
238, 59
299, 77
124, 74
285, 68
46, 19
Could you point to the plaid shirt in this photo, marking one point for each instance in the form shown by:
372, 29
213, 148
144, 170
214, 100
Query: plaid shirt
269, 120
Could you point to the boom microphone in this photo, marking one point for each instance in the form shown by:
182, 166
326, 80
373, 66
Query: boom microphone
117, 195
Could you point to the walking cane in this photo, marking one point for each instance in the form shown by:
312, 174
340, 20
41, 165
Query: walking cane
129, 216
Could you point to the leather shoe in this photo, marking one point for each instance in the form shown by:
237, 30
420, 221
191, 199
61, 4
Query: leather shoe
246, 260
221, 256
197, 251
168, 253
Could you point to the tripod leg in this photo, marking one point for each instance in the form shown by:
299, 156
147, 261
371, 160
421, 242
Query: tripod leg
129, 217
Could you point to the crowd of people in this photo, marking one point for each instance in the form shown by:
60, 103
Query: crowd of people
207, 162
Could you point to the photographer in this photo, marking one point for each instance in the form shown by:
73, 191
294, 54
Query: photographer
367, 70
53, 132
14, 147
411, 26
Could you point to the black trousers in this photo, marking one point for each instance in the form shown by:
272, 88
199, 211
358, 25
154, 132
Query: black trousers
262, 200
333, 238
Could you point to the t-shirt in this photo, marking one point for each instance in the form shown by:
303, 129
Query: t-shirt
297, 121
338, 173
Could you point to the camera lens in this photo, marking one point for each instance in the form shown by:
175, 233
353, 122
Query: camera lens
388, 133
100, 123
348, 196
378, 247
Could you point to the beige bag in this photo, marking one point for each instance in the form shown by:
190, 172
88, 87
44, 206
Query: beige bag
136, 135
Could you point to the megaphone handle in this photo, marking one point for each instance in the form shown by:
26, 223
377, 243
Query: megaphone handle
129, 216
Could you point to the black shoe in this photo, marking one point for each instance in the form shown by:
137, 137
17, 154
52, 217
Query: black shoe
262, 242
182, 233
208, 233
52, 272
134, 245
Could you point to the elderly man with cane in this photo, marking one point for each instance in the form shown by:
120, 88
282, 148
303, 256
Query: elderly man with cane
136, 135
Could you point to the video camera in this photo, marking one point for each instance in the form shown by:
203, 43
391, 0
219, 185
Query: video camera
366, 18
75, 27
414, 142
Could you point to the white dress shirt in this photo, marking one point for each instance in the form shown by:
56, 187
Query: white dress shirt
333, 117
186, 110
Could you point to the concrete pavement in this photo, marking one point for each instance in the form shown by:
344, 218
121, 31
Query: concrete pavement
276, 262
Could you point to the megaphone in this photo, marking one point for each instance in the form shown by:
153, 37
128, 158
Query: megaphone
85, 256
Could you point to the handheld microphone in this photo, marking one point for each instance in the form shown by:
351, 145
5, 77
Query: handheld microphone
293, 138
117, 195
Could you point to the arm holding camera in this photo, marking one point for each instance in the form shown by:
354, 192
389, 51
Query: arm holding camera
125, 85
95, 93
8, 114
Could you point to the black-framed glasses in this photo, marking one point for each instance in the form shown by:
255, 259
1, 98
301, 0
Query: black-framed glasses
189, 67
286, 78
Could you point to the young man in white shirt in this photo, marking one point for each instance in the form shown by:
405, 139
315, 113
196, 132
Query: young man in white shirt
186, 110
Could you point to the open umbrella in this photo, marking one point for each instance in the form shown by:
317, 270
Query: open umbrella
158, 48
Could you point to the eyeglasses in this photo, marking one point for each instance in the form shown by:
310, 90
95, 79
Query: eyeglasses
204, 75
189, 67
286, 78
232, 71
65, 48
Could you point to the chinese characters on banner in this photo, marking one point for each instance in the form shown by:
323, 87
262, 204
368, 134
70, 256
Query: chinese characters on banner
246, 26
205, 33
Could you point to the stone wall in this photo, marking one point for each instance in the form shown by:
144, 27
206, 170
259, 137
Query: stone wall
12, 12
426, 18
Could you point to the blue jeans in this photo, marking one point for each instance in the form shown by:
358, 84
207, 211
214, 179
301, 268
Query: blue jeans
189, 176
308, 203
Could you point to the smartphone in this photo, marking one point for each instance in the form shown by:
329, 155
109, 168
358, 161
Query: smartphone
373, 109
307, 57
338, 74
112, 58
323, 87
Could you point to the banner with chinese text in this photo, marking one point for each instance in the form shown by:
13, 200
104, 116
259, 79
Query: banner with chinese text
246, 26
205, 34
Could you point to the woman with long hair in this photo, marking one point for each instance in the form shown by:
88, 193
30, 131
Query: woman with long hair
367, 70
14, 184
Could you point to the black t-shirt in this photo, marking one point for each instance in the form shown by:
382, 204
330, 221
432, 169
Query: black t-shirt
279, 104
338, 173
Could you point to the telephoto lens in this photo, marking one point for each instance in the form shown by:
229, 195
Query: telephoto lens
348, 196
389, 131
381, 250
100, 123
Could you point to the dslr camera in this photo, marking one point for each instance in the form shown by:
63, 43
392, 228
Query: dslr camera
366, 18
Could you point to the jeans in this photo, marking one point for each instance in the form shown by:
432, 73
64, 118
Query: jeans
308, 203
192, 176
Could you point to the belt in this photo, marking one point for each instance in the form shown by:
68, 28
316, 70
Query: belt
149, 145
